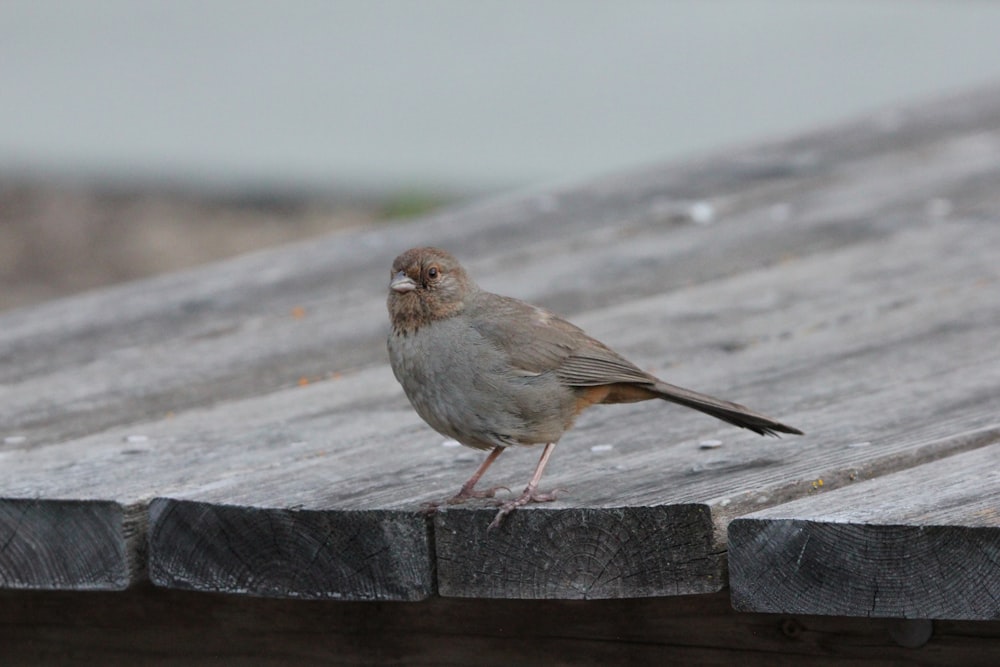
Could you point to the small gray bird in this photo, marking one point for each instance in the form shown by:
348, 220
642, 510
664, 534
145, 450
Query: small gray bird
491, 371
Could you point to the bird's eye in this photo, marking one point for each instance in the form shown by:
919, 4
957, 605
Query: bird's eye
432, 272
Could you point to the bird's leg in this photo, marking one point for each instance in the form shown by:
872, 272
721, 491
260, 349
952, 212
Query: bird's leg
468, 489
531, 493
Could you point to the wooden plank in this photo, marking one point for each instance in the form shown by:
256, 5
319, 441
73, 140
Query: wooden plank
141, 351
923, 543
194, 630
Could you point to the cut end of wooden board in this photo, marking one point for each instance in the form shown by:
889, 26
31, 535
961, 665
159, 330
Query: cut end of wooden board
856, 570
64, 545
281, 552
578, 553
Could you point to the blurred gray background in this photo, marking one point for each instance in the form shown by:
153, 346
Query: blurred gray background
144, 121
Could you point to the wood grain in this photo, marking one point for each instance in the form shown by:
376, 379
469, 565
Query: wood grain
916, 544
55, 544
590, 553
366, 555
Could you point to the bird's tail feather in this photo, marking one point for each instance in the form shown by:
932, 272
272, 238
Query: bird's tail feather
733, 413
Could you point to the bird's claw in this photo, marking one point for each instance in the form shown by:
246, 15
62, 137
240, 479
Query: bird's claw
529, 496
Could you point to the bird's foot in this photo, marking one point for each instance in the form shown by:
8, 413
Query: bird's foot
530, 495
465, 493
470, 493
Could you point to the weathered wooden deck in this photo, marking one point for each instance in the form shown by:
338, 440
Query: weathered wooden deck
235, 429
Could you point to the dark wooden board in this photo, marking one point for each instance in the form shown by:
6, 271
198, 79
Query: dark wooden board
70, 544
161, 628
922, 543
362, 555
580, 553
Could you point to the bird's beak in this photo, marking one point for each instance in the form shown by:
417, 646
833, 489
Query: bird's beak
402, 283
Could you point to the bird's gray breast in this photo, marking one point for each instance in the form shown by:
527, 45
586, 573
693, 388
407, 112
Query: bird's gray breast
465, 387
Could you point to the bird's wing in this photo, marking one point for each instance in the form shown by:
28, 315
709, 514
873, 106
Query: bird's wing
593, 367
537, 341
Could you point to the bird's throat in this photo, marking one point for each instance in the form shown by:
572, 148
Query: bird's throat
410, 311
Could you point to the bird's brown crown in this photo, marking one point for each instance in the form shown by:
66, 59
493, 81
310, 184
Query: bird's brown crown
439, 288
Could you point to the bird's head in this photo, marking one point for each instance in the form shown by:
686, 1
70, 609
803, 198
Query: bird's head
426, 284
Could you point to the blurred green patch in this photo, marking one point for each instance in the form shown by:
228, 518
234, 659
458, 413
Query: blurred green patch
411, 203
